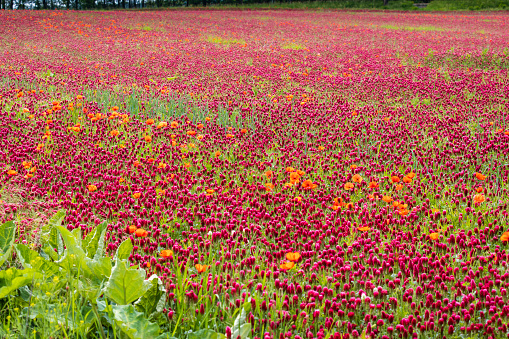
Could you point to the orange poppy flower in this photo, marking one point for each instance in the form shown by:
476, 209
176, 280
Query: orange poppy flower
505, 237
403, 212
399, 187
434, 236
201, 268
207, 119
353, 167
357, 178
162, 124
149, 122
363, 229
478, 189
200, 126
348, 186
287, 265
479, 198
217, 154
321, 148
136, 195
395, 178
338, 202
269, 187
294, 177
268, 174
12, 172
92, 188
301, 173
293, 256
166, 253
174, 124
114, 133
136, 163
308, 185
26, 165
132, 229
290, 169
243, 131
209, 191
373, 184
407, 180
387, 199
480, 176
229, 135
150, 160
148, 138
140, 232
190, 132
187, 165
161, 165
411, 175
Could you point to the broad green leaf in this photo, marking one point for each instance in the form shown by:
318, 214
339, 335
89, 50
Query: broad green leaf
126, 284
101, 268
124, 250
55, 240
206, 333
134, 323
93, 243
12, 279
31, 259
90, 289
165, 336
154, 299
25, 293
240, 327
7, 233
48, 252
74, 256
77, 235
244, 331
56, 220
46, 232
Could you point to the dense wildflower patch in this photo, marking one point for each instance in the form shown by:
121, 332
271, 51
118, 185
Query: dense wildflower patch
334, 174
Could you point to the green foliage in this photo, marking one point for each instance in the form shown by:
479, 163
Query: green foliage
94, 241
134, 323
448, 5
103, 294
126, 284
7, 232
12, 279
124, 250
240, 326
153, 300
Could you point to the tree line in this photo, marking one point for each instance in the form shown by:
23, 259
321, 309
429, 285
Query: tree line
126, 4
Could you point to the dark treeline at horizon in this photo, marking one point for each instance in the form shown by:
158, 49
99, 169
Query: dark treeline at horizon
127, 4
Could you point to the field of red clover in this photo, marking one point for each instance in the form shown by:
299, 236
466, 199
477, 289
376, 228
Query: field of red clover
285, 174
